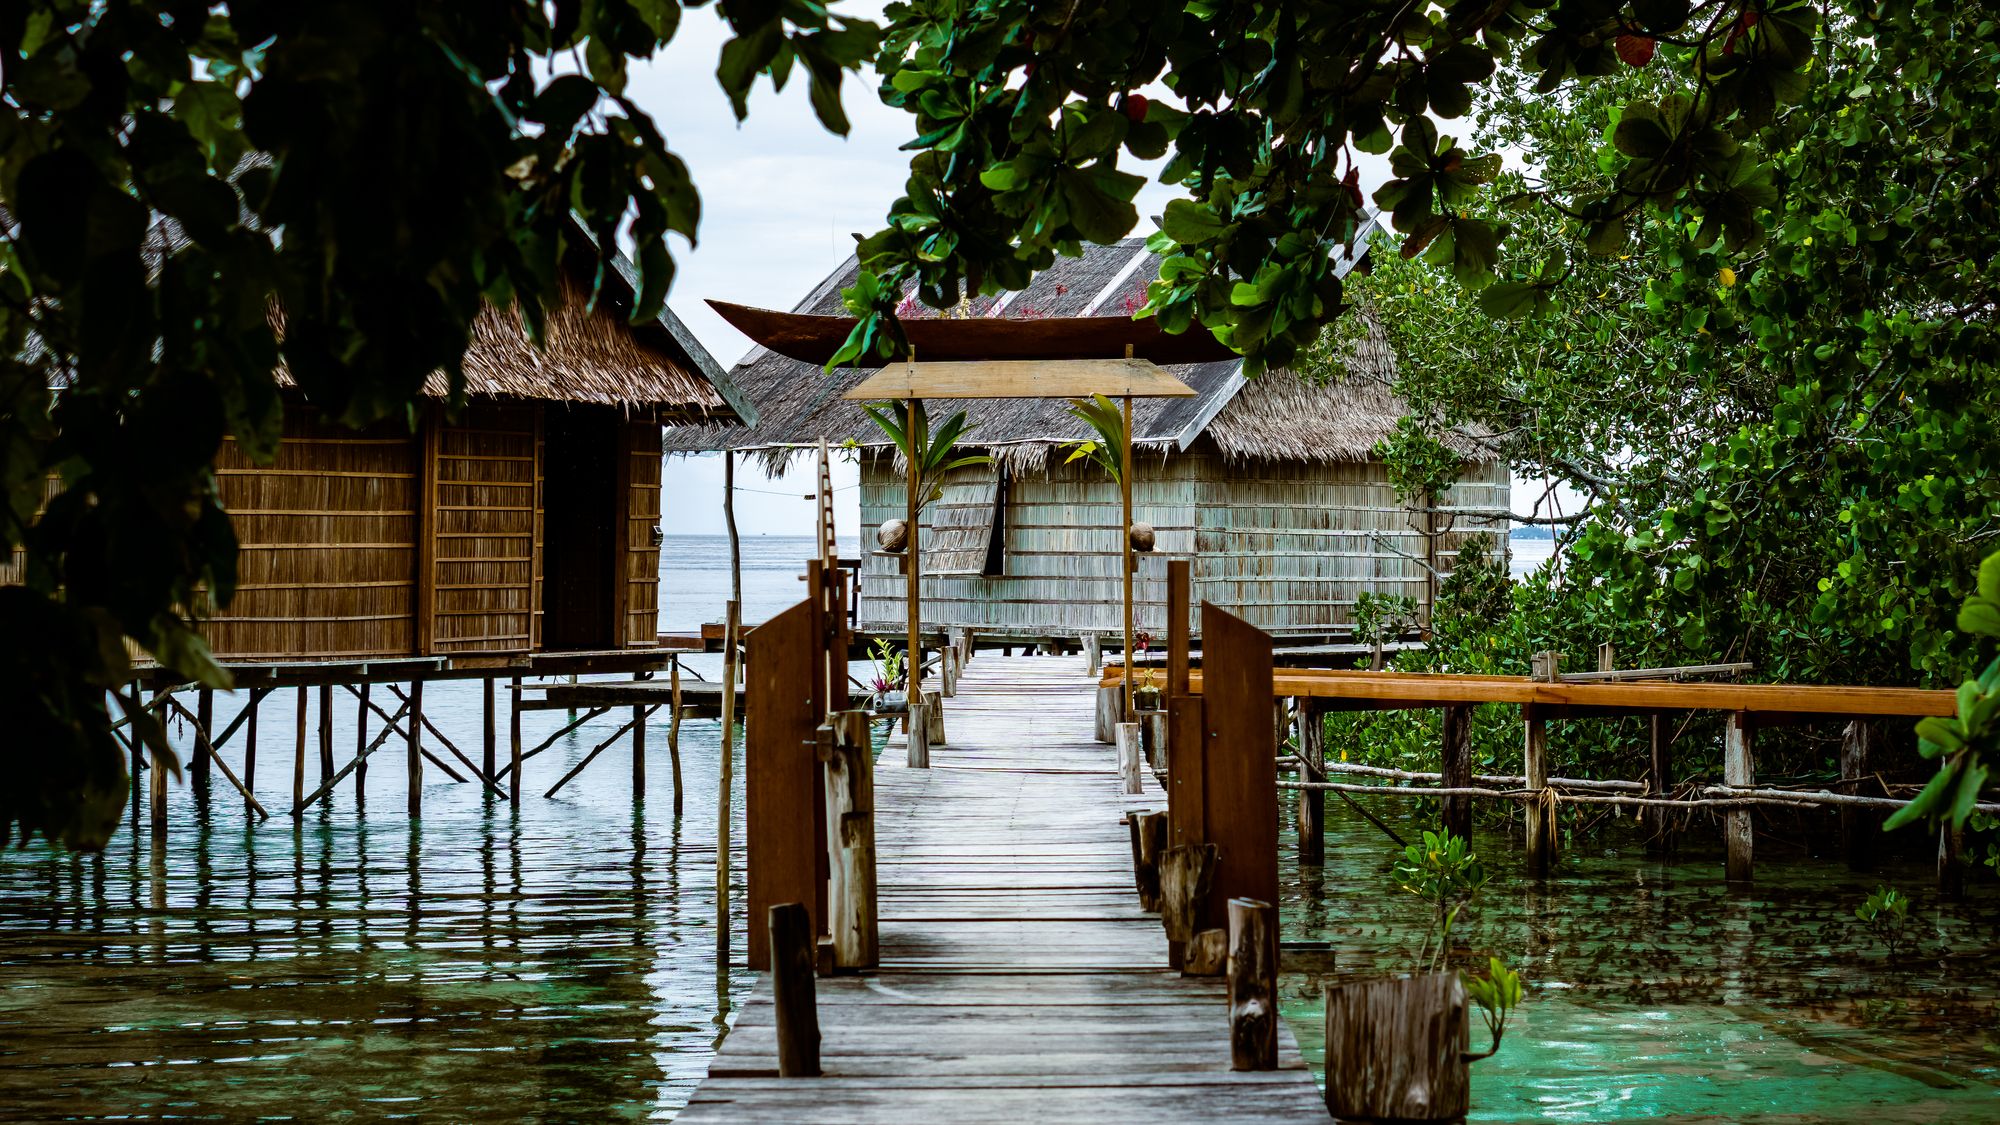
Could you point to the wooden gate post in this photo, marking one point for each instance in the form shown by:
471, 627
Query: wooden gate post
1738, 771
850, 844
784, 838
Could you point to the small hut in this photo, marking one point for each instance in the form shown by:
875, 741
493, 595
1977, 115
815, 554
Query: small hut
527, 523
1272, 486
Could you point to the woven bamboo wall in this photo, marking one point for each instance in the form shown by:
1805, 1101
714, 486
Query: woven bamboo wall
1288, 545
483, 532
641, 570
328, 541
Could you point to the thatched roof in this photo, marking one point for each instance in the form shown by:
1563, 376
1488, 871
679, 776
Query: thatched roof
594, 357
1279, 415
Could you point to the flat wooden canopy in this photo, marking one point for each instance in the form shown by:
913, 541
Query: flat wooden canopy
1042, 378
815, 339
1411, 690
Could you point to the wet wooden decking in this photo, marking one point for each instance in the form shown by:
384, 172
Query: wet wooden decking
1020, 981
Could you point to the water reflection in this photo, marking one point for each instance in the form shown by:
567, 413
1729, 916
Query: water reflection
1659, 992
476, 965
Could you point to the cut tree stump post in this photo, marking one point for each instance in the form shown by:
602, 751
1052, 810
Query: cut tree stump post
1152, 839
919, 736
1312, 767
1153, 736
1659, 819
1110, 711
792, 990
1093, 658
1131, 758
1457, 770
1737, 771
1395, 1049
1207, 954
1186, 874
934, 720
1253, 985
850, 824
1540, 824
1860, 830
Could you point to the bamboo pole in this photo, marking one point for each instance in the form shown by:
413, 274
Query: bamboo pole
415, 763
725, 798
1125, 548
729, 521
913, 664
514, 743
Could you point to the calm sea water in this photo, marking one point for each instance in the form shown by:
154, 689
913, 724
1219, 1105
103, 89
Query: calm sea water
559, 964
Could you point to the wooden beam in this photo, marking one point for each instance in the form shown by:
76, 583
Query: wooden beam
1028, 378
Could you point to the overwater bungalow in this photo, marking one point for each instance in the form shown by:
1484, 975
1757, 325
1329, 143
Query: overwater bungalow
1272, 486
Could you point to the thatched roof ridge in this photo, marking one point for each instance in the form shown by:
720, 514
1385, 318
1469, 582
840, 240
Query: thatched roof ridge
1281, 415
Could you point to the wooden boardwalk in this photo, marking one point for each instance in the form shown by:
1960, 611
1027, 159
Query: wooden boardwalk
1020, 981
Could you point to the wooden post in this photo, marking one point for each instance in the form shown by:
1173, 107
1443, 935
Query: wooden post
1658, 818
934, 720
1395, 1049
793, 951
1457, 770
1860, 830
913, 561
850, 821
361, 748
1253, 985
919, 737
1093, 657
250, 743
514, 742
1130, 758
1737, 770
725, 788
1110, 705
159, 793
1207, 954
203, 749
639, 752
326, 766
1153, 736
1607, 657
1239, 773
729, 521
416, 748
299, 753
1149, 843
1312, 767
1950, 871
1125, 554
1538, 816
1187, 876
489, 728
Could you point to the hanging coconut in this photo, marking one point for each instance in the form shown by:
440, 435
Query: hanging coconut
893, 535
1142, 537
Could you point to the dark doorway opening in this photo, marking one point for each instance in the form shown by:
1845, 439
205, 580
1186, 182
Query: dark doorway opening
579, 529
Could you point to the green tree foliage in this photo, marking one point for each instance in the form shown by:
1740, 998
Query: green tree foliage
179, 177
1024, 112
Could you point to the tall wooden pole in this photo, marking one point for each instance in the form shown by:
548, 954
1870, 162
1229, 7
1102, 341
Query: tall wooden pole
729, 521
724, 814
1125, 539
913, 557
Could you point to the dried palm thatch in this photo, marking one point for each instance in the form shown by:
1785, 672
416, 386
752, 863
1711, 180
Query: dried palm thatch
1279, 416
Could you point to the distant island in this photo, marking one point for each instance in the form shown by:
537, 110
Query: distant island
1532, 532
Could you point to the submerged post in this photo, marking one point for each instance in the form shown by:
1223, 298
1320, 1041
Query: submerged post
1312, 767
514, 743
203, 750
489, 733
725, 797
1457, 770
1538, 817
1737, 771
361, 748
416, 748
792, 990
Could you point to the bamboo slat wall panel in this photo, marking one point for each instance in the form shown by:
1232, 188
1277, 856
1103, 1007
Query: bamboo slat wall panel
961, 524
328, 544
484, 530
1287, 545
640, 568
535, 594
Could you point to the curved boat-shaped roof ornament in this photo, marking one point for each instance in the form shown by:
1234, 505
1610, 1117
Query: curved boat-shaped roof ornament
813, 338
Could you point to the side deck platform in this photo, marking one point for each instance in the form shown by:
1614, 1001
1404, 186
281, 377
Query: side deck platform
1020, 981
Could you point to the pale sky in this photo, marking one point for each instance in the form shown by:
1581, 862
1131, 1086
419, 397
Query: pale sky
780, 201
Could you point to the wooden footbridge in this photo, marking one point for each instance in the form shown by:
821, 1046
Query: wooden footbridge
1018, 977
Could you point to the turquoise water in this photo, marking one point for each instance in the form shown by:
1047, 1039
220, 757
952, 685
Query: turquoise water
1657, 993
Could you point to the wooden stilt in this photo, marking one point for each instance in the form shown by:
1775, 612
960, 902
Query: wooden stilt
325, 731
415, 761
159, 794
639, 752
1860, 830
203, 751
1253, 985
1659, 819
1737, 770
299, 753
361, 746
250, 743
1539, 817
514, 742
489, 734
674, 736
1312, 767
222, 764
1950, 871
793, 952
1457, 770
725, 790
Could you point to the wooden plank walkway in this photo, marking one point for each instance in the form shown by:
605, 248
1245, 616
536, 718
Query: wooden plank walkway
1020, 981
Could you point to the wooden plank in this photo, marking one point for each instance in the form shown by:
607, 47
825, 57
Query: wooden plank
781, 783
1040, 378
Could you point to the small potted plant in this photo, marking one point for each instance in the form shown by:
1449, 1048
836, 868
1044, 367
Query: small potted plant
1145, 681
891, 694
1398, 1048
